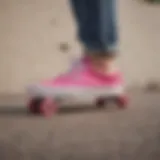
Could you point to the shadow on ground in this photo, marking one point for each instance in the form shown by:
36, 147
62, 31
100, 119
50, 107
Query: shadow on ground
22, 111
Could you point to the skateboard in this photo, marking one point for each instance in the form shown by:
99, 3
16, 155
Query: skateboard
48, 104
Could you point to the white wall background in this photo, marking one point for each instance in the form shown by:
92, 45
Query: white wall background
31, 31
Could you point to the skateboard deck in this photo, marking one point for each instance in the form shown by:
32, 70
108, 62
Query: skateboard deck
47, 100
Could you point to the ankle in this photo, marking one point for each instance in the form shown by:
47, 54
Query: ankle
103, 65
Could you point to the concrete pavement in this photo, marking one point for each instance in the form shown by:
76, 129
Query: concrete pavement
85, 133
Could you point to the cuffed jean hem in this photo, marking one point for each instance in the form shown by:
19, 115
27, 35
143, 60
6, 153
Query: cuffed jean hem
113, 49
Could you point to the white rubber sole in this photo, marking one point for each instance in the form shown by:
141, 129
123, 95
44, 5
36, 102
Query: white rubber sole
41, 91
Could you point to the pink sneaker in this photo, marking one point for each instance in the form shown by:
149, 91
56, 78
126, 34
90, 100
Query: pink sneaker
79, 82
83, 82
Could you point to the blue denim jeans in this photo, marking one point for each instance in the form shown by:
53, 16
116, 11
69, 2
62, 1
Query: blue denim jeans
96, 24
